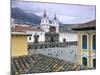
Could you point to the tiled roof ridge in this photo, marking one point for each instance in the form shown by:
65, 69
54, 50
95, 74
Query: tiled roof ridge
24, 28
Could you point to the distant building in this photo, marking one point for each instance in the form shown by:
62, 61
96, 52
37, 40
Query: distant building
68, 36
44, 26
45, 23
36, 31
87, 44
50, 44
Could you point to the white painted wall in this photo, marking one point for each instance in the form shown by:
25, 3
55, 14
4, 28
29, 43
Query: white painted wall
68, 36
46, 27
72, 37
41, 36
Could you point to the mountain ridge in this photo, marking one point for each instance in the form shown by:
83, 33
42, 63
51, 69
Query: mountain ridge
22, 17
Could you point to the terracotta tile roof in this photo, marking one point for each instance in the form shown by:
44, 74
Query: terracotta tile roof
38, 63
91, 25
19, 28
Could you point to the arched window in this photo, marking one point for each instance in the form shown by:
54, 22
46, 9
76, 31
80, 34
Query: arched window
84, 41
94, 42
84, 61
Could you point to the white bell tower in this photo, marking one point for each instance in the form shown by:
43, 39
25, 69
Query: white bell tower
44, 19
55, 23
45, 22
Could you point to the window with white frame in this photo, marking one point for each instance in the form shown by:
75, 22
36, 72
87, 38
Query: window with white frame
30, 38
84, 61
84, 41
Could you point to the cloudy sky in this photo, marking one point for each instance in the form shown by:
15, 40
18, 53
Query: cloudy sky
66, 13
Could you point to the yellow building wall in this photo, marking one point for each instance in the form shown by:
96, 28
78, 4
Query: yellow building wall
87, 52
18, 45
79, 48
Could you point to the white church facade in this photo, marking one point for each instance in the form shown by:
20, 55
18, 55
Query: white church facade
45, 25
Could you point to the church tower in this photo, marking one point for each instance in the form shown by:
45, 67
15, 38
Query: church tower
45, 22
44, 19
55, 21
